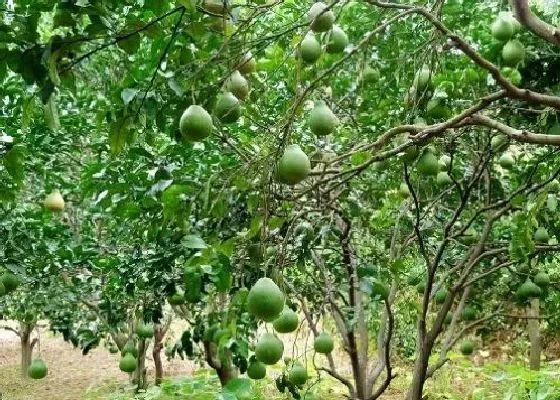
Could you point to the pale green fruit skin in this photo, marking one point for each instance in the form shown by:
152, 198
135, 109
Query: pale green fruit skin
237, 85
269, 349
512, 75
129, 348
127, 363
322, 120
310, 49
370, 75
265, 300
338, 40
445, 161
54, 202
498, 142
506, 161
228, 108
256, 370
195, 124
404, 191
298, 375
440, 296
286, 322
247, 64
176, 299
323, 343
527, 290
443, 178
422, 79
541, 235
294, 165
428, 164
513, 53
502, 29
551, 202
542, 279
145, 331
37, 369
468, 314
508, 16
320, 21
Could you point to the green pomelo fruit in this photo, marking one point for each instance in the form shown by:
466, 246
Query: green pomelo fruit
294, 165
113, 349
421, 288
256, 370
228, 108
440, 296
499, 142
337, 40
247, 64
320, 17
370, 75
298, 375
127, 363
10, 281
129, 348
541, 235
37, 369
448, 318
468, 314
502, 29
443, 178
436, 109
269, 349
265, 300
428, 164
323, 343
513, 53
527, 290
238, 85
322, 120
422, 79
287, 321
542, 279
508, 16
551, 202
145, 331
512, 75
404, 191
467, 348
506, 161
310, 49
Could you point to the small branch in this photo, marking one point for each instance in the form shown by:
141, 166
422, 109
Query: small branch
540, 28
9, 328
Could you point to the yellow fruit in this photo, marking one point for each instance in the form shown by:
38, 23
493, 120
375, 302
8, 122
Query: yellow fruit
54, 202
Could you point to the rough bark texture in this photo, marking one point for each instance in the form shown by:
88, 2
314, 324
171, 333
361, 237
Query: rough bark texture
159, 334
26, 346
225, 368
534, 335
140, 373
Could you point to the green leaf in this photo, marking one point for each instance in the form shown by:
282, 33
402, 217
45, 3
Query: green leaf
128, 95
194, 242
13, 162
51, 114
119, 135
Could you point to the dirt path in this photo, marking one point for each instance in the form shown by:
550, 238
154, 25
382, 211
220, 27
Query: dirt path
71, 375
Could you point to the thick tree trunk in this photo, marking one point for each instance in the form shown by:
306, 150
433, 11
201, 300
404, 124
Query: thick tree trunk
225, 368
159, 333
26, 347
533, 326
420, 371
140, 373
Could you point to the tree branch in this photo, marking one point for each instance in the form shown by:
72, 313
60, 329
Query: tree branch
528, 19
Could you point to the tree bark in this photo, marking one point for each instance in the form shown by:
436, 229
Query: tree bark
159, 333
140, 373
533, 326
26, 346
420, 371
225, 368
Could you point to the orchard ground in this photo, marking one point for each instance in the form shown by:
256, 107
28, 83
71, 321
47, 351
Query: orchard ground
498, 370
